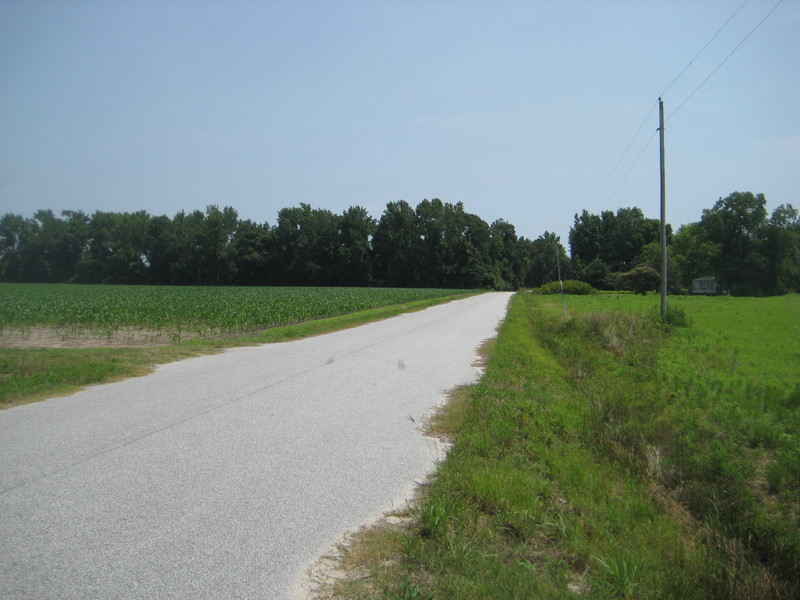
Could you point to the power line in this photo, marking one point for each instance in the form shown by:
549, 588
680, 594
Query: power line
619, 162
702, 83
630, 169
650, 112
725, 24
636, 161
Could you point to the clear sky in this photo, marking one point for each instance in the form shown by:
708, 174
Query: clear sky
519, 109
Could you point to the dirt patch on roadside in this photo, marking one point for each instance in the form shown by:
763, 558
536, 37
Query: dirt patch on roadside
348, 561
122, 337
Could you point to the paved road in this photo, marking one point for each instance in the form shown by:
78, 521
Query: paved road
224, 476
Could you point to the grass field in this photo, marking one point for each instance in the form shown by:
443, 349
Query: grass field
113, 332
611, 456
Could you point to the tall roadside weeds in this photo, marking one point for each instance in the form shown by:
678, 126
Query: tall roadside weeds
613, 455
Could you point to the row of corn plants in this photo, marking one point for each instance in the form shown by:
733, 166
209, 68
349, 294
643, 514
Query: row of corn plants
195, 310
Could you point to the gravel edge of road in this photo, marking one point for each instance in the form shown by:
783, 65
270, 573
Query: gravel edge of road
316, 579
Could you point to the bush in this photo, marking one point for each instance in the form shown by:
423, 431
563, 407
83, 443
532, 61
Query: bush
578, 288
677, 317
641, 279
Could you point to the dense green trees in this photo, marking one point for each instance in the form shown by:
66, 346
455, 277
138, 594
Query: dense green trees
436, 244
395, 242
440, 244
607, 244
734, 241
544, 258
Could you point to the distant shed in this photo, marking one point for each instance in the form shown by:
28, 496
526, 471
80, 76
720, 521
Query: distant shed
706, 286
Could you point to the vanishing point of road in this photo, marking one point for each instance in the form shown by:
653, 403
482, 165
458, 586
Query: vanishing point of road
225, 476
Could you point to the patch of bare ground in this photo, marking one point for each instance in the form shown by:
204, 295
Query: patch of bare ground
349, 569
75, 337
484, 352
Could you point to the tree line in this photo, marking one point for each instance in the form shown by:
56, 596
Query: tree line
735, 241
436, 244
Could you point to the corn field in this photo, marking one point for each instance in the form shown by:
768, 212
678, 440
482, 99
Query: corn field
199, 310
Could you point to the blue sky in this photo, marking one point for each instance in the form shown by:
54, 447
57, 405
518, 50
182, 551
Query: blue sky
520, 110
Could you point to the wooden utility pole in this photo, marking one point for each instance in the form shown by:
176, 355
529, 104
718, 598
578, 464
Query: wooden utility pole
663, 212
561, 283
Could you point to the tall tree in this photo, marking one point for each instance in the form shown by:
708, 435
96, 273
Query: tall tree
185, 248
457, 248
353, 262
694, 255
308, 240
215, 236
506, 255
162, 252
13, 232
545, 255
632, 231
44, 248
116, 250
478, 271
396, 246
252, 257
734, 224
585, 239
430, 256
780, 247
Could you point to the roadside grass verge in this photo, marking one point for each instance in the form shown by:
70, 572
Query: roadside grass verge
610, 456
32, 374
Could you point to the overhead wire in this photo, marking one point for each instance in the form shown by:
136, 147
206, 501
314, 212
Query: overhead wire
650, 112
691, 62
688, 65
621, 158
633, 165
724, 60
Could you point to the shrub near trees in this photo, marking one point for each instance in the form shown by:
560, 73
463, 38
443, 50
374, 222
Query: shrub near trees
436, 244
734, 241
641, 279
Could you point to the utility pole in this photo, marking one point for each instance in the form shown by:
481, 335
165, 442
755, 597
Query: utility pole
663, 212
561, 283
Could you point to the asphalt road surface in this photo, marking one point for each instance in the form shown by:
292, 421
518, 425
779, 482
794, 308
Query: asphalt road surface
225, 476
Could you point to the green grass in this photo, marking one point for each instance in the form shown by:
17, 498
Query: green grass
612, 456
31, 374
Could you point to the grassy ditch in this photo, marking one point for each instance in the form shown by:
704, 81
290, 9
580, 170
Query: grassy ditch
611, 456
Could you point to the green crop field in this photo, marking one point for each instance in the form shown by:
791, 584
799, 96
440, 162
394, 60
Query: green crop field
56, 339
612, 455
187, 310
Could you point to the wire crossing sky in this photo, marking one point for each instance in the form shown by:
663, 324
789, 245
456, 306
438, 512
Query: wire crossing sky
652, 108
724, 60
519, 109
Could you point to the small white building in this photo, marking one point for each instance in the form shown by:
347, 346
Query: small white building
706, 286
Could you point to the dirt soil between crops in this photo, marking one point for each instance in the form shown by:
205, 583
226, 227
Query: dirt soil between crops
123, 337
